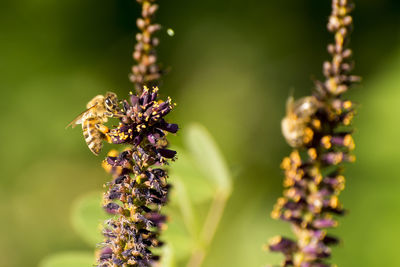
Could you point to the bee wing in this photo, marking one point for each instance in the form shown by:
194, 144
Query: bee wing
78, 119
306, 106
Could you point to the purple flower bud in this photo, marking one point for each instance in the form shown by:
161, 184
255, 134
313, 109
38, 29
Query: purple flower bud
282, 244
324, 223
137, 140
118, 262
112, 208
151, 138
170, 127
154, 96
156, 218
119, 179
167, 153
134, 100
105, 254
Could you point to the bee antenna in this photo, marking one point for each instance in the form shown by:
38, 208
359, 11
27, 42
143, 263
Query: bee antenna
290, 101
291, 92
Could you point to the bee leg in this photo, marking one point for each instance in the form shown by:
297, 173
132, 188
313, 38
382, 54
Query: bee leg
113, 115
107, 138
104, 130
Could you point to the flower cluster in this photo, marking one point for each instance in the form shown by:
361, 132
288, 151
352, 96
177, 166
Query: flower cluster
144, 120
319, 129
146, 71
139, 187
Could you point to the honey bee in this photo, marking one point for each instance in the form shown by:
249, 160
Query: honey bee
99, 109
295, 124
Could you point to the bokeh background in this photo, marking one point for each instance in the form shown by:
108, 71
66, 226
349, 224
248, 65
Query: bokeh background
233, 64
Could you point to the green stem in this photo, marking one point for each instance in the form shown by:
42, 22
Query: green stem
186, 208
209, 228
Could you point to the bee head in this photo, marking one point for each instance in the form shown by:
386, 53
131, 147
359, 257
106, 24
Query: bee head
111, 102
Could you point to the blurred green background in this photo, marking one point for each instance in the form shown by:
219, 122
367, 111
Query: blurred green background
233, 65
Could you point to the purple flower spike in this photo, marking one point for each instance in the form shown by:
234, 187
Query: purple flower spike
147, 71
139, 187
318, 127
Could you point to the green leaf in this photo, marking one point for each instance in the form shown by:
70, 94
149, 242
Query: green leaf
198, 176
209, 158
87, 217
167, 259
186, 208
69, 259
176, 235
198, 187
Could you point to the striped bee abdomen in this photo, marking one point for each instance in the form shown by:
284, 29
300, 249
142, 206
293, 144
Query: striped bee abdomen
92, 135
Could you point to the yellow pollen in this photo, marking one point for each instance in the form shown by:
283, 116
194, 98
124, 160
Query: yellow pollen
342, 11
287, 214
312, 152
338, 158
349, 142
339, 38
332, 85
281, 201
112, 153
352, 158
308, 135
275, 214
275, 240
298, 259
292, 193
285, 163
341, 182
288, 182
334, 202
295, 156
318, 179
317, 124
347, 104
326, 141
